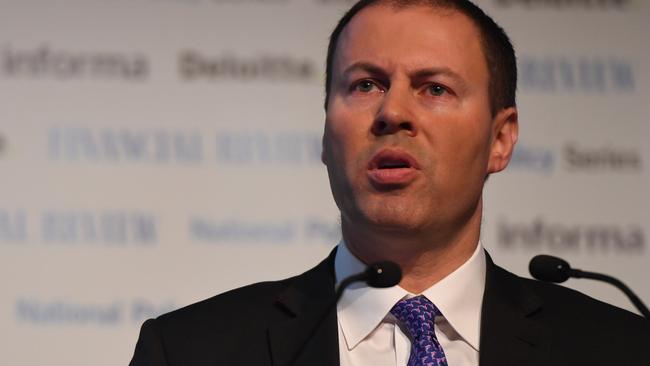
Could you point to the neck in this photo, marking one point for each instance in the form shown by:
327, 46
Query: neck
425, 257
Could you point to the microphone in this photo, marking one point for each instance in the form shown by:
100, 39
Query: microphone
379, 275
553, 269
549, 269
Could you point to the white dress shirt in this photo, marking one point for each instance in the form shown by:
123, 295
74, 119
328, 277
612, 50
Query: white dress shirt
368, 334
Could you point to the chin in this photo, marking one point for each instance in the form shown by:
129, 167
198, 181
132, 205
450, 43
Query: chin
394, 217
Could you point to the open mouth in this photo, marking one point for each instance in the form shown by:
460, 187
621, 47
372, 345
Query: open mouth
391, 159
390, 169
393, 164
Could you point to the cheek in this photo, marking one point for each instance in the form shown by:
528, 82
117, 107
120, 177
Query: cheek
345, 134
464, 151
334, 144
337, 152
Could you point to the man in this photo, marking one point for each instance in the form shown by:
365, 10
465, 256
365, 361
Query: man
420, 110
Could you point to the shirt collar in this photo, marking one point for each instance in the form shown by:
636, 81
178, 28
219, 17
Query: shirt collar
361, 308
459, 297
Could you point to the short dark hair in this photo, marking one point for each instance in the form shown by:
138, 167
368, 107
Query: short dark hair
497, 48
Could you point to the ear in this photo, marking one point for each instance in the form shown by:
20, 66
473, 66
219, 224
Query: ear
505, 132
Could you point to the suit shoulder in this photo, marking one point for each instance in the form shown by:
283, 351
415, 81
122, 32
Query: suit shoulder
250, 299
258, 300
565, 297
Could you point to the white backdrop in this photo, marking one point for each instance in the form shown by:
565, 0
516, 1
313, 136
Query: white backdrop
154, 153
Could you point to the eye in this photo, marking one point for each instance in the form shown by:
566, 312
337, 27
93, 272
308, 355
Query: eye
436, 90
365, 86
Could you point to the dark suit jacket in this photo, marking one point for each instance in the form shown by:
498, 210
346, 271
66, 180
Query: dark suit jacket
524, 323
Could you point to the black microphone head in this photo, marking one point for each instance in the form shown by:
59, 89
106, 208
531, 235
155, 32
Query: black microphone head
549, 269
383, 274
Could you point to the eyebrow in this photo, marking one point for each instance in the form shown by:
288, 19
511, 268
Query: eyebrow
432, 71
363, 66
418, 74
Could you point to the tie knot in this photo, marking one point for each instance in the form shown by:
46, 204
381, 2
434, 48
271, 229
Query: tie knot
417, 314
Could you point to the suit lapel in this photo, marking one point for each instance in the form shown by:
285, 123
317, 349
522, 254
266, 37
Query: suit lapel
510, 335
305, 301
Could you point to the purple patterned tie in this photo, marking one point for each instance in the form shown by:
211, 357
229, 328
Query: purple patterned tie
417, 314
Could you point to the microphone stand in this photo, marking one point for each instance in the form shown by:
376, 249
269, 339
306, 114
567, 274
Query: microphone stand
553, 269
618, 284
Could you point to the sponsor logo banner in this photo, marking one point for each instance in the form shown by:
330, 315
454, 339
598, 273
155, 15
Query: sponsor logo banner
47, 62
190, 147
36, 311
122, 228
576, 158
102, 228
579, 158
194, 65
542, 235
584, 75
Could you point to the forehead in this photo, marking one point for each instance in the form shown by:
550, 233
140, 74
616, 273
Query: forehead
411, 37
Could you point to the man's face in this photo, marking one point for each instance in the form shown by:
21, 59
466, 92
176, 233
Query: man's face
409, 134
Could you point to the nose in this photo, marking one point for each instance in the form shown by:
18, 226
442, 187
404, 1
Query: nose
394, 115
